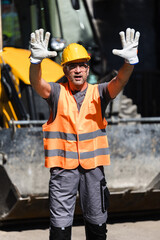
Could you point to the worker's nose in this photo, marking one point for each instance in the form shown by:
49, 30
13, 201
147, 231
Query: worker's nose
77, 68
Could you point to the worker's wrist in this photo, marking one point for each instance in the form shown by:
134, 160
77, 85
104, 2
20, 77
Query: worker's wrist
35, 61
132, 61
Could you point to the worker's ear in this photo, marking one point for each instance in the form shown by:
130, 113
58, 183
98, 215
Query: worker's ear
65, 70
88, 70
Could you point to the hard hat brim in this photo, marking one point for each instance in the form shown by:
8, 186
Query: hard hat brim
75, 61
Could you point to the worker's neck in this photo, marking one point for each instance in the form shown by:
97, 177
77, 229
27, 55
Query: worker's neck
78, 88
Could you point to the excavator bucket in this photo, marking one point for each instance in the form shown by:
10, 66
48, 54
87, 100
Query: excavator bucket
134, 173
133, 176
23, 177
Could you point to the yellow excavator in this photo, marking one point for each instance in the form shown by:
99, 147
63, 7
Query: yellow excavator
133, 177
14, 70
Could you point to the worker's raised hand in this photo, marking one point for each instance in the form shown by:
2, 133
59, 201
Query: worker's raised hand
129, 45
39, 46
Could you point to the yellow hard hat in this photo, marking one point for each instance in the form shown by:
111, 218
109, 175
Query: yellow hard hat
73, 52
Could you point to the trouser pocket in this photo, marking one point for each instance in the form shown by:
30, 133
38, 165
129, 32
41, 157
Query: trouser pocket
104, 195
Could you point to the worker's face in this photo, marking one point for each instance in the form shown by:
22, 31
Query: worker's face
77, 73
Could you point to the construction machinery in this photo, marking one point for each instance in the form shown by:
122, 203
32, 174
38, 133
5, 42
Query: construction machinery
133, 177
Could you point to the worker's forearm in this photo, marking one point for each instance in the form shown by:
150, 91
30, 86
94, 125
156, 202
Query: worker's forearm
124, 74
42, 87
35, 74
116, 85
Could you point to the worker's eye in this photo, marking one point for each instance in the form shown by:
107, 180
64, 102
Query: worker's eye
82, 66
72, 66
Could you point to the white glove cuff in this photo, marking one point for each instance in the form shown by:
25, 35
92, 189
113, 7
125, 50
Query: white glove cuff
35, 61
132, 61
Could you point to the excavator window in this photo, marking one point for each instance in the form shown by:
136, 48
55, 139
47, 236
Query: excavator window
10, 24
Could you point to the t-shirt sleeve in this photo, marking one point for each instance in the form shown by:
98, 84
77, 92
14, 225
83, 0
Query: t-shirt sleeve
104, 96
53, 98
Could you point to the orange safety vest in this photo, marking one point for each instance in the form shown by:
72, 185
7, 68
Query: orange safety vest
76, 137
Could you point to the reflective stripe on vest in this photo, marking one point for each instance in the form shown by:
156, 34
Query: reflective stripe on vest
70, 136
74, 137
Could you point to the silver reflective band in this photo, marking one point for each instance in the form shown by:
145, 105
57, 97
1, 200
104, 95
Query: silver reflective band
60, 135
91, 135
73, 137
92, 154
61, 153
74, 155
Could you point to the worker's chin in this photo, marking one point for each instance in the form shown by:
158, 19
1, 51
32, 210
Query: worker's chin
78, 82
77, 85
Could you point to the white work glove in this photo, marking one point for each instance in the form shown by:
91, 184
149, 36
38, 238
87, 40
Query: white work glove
39, 47
129, 45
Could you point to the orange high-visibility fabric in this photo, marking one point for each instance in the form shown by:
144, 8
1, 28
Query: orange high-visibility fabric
76, 137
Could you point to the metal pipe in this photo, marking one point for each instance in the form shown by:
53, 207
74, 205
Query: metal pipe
111, 120
27, 122
141, 120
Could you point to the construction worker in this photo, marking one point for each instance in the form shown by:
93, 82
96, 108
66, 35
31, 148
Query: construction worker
75, 141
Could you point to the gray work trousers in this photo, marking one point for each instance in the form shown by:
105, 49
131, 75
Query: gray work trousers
63, 187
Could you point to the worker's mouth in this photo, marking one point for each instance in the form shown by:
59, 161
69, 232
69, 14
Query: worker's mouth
77, 77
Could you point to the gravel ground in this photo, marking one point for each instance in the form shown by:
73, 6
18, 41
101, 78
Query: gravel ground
139, 230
